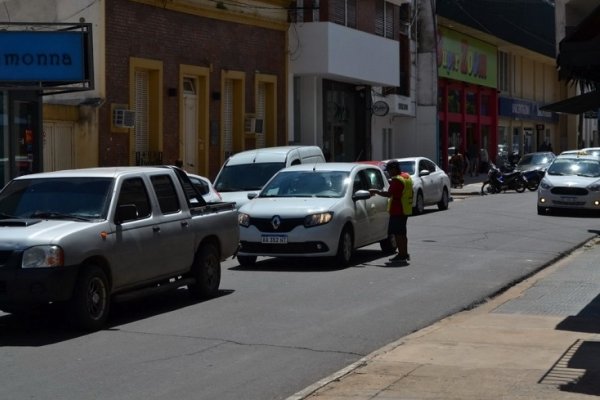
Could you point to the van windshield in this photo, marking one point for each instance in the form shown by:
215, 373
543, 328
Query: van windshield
245, 177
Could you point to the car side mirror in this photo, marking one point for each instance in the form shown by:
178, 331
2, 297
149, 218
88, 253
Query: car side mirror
252, 195
361, 195
126, 212
424, 172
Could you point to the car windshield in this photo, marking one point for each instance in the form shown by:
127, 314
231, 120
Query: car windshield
534, 159
56, 198
575, 166
245, 177
307, 184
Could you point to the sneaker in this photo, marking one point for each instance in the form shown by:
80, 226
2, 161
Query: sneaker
398, 257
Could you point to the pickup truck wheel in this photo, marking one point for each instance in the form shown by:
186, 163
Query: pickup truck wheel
90, 302
246, 261
207, 272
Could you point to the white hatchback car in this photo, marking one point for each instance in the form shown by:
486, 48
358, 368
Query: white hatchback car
572, 181
431, 184
206, 189
318, 210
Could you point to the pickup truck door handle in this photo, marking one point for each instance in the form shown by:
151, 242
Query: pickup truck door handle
156, 229
185, 224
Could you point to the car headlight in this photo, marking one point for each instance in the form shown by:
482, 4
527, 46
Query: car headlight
594, 187
317, 219
545, 184
43, 257
243, 219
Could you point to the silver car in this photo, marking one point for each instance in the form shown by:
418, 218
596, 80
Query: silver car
318, 210
431, 184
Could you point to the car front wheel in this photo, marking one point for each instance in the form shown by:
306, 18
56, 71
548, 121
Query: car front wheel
345, 248
420, 204
91, 301
443, 203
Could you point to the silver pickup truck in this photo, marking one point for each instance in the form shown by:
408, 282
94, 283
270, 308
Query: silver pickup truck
91, 236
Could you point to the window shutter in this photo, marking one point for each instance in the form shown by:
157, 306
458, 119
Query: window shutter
141, 131
260, 113
228, 117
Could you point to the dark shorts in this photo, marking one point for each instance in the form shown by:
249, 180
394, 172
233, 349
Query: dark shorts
397, 225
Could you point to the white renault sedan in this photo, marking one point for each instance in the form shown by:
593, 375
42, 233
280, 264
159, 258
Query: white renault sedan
431, 184
317, 210
572, 181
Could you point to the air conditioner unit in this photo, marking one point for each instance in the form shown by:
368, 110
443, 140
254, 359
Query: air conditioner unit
254, 125
400, 105
123, 118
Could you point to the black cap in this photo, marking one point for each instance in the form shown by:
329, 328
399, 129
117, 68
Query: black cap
393, 164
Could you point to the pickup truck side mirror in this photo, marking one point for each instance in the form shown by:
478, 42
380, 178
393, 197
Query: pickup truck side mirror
126, 212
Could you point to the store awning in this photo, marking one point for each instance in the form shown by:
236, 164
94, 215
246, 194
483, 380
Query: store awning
576, 105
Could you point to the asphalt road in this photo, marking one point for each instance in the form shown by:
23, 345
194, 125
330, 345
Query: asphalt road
282, 325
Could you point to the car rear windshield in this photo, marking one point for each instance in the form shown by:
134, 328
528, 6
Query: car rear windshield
245, 177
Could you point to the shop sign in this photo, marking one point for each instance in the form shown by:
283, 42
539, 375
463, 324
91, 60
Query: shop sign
464, 58
380, 108
525, 110
45, 57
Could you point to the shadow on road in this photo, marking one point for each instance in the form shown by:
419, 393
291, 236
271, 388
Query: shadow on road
312, 264
48, 325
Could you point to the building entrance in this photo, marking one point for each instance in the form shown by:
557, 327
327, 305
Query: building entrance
20, 127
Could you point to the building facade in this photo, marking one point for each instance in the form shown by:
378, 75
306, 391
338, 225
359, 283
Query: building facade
344, 56
494, 77
190, 81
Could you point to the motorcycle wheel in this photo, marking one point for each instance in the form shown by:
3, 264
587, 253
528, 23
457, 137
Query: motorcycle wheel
520, 186
533, 185
487, 188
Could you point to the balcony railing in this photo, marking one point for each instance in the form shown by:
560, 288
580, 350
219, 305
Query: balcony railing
148, 157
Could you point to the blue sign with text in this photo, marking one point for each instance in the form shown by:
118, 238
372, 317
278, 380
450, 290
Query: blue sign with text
523, 109
42, 56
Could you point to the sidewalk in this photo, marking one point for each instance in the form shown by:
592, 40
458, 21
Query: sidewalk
538, 340
472, 186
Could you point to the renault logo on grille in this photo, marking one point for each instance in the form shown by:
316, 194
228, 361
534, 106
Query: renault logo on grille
276, 222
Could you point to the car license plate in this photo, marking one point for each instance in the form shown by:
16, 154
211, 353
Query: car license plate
274, 239
568, 199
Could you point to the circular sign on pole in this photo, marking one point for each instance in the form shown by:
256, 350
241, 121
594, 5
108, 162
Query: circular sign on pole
380, 108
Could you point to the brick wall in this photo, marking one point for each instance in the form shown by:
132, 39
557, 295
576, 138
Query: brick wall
138, 30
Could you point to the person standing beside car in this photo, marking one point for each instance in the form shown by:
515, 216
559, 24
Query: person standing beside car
400, 199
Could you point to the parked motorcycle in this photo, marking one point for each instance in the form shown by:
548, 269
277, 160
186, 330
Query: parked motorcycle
501, 182
533, 177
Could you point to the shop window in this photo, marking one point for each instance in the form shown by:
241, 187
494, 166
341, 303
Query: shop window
471, 103
454, 101
485, 104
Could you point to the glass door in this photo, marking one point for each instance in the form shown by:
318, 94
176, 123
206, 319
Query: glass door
24, 121
4, 139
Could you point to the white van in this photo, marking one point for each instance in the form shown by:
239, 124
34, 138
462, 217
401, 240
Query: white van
248, 171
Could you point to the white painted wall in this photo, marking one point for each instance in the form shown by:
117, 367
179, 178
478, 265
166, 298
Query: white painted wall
333, 51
